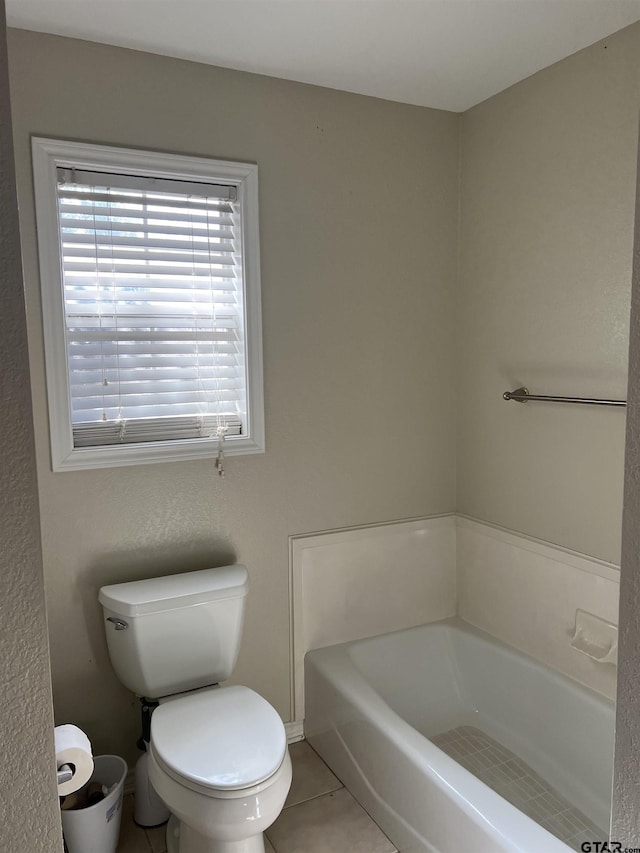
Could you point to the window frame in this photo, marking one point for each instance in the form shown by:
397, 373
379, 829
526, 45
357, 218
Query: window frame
48, 156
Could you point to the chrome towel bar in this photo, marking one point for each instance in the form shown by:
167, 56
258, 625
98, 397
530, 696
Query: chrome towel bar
522, 395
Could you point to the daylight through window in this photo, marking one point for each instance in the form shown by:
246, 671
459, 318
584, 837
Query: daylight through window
154, 304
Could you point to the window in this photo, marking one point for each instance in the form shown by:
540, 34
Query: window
149, 270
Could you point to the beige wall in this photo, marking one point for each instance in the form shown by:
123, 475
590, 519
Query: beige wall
548, 177
26, 721
358, 205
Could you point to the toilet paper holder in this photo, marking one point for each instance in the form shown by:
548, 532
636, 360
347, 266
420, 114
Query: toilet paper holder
65, 773
73, 758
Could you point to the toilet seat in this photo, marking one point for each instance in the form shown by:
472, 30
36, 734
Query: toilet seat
219, 742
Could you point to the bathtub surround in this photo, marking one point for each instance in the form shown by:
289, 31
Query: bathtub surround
526, 593
26, 727
348, 584
351, 584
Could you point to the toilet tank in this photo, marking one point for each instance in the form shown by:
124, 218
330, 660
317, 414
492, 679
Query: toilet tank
175, 633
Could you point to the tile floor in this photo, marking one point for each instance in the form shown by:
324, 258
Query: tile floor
514, 780
320, 816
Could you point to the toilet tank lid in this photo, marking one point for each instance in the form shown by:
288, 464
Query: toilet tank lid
155, 595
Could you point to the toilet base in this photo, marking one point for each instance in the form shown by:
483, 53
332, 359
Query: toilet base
182, 839
173, 835
149, 810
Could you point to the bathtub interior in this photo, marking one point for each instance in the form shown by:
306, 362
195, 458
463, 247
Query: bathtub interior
455, 676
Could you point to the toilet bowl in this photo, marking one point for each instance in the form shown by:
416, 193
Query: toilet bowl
217, 755
219, 760
209, 824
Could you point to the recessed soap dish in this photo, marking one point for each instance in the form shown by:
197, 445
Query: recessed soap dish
595, 637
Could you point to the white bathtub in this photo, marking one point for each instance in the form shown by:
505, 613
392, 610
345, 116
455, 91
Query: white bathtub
371, 706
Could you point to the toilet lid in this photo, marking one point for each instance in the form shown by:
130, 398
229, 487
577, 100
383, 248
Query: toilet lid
227, 738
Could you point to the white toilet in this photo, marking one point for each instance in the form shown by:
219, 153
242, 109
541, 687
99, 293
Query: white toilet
218, 756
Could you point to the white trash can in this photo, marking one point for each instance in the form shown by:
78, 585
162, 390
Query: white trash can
95, 829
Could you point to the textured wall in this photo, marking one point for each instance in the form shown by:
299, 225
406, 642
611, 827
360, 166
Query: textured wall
26, 722
358, 204
625, 824
548, 176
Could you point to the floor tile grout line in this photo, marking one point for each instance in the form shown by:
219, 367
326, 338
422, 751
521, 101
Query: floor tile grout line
150, 845
313, 797
328, 794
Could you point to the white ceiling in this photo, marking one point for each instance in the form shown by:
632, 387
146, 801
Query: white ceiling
449, 54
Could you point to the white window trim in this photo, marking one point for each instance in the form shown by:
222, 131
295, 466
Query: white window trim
48, 155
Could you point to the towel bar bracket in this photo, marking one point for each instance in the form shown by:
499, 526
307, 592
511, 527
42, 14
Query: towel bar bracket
520, 395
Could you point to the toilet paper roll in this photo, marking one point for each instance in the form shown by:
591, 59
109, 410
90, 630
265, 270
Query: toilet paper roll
73, 748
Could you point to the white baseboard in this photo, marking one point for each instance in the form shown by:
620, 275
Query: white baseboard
294, 731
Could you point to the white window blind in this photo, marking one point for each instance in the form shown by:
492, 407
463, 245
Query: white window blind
153, 300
